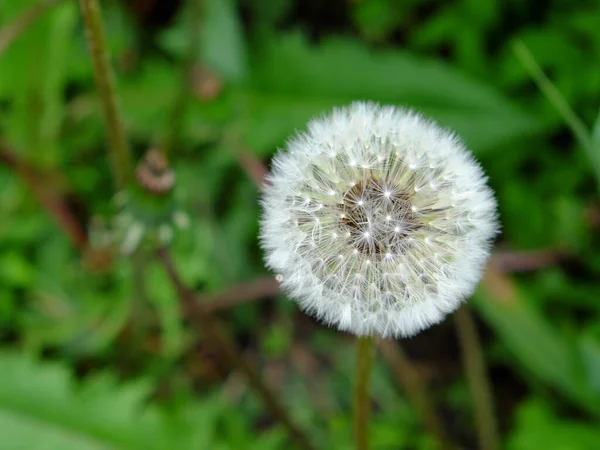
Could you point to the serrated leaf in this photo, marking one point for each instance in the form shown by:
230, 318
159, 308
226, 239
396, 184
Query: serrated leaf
40, 402
68, 309
43, 407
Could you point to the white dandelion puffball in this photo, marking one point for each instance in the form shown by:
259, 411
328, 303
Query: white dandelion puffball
377, 221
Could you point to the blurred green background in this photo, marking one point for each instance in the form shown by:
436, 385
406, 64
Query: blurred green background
96, 350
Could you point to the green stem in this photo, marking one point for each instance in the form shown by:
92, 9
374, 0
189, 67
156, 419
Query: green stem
479, 383
577, 126
362, 404
14, 29
118, 146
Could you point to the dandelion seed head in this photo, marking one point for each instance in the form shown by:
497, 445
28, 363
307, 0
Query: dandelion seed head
410, 210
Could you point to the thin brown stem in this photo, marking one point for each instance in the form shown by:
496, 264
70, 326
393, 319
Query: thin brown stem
235, 295
365, 347
261, 287
230, 354
254, 167
479, 383
414, 387
23, 21
526, 261
138, 318
103, 74
48, 197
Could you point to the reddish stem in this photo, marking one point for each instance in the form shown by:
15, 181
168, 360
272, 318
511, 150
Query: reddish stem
230, 354
54, 204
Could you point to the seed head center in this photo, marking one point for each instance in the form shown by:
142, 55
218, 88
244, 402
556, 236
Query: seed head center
378, 217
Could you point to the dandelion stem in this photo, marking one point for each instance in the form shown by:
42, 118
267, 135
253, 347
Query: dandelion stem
230, 354
118, 146
479, 383
414, 388
22, 22
362, 409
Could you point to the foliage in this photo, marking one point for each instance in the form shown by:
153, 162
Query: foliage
41, 405
263, 68
534, 421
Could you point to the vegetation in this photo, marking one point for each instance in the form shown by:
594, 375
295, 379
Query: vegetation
108, 343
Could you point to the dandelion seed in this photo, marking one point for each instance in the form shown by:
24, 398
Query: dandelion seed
395, 164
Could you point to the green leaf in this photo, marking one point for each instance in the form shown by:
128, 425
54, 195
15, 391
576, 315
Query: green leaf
165, 301
589, 351
540, 348
222, 39
59, 44
35, 85
596, 138
377, 19
69, 308
537, 428
222, 46
267, 13
15, 270
558, 101
40, 407
292, 81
